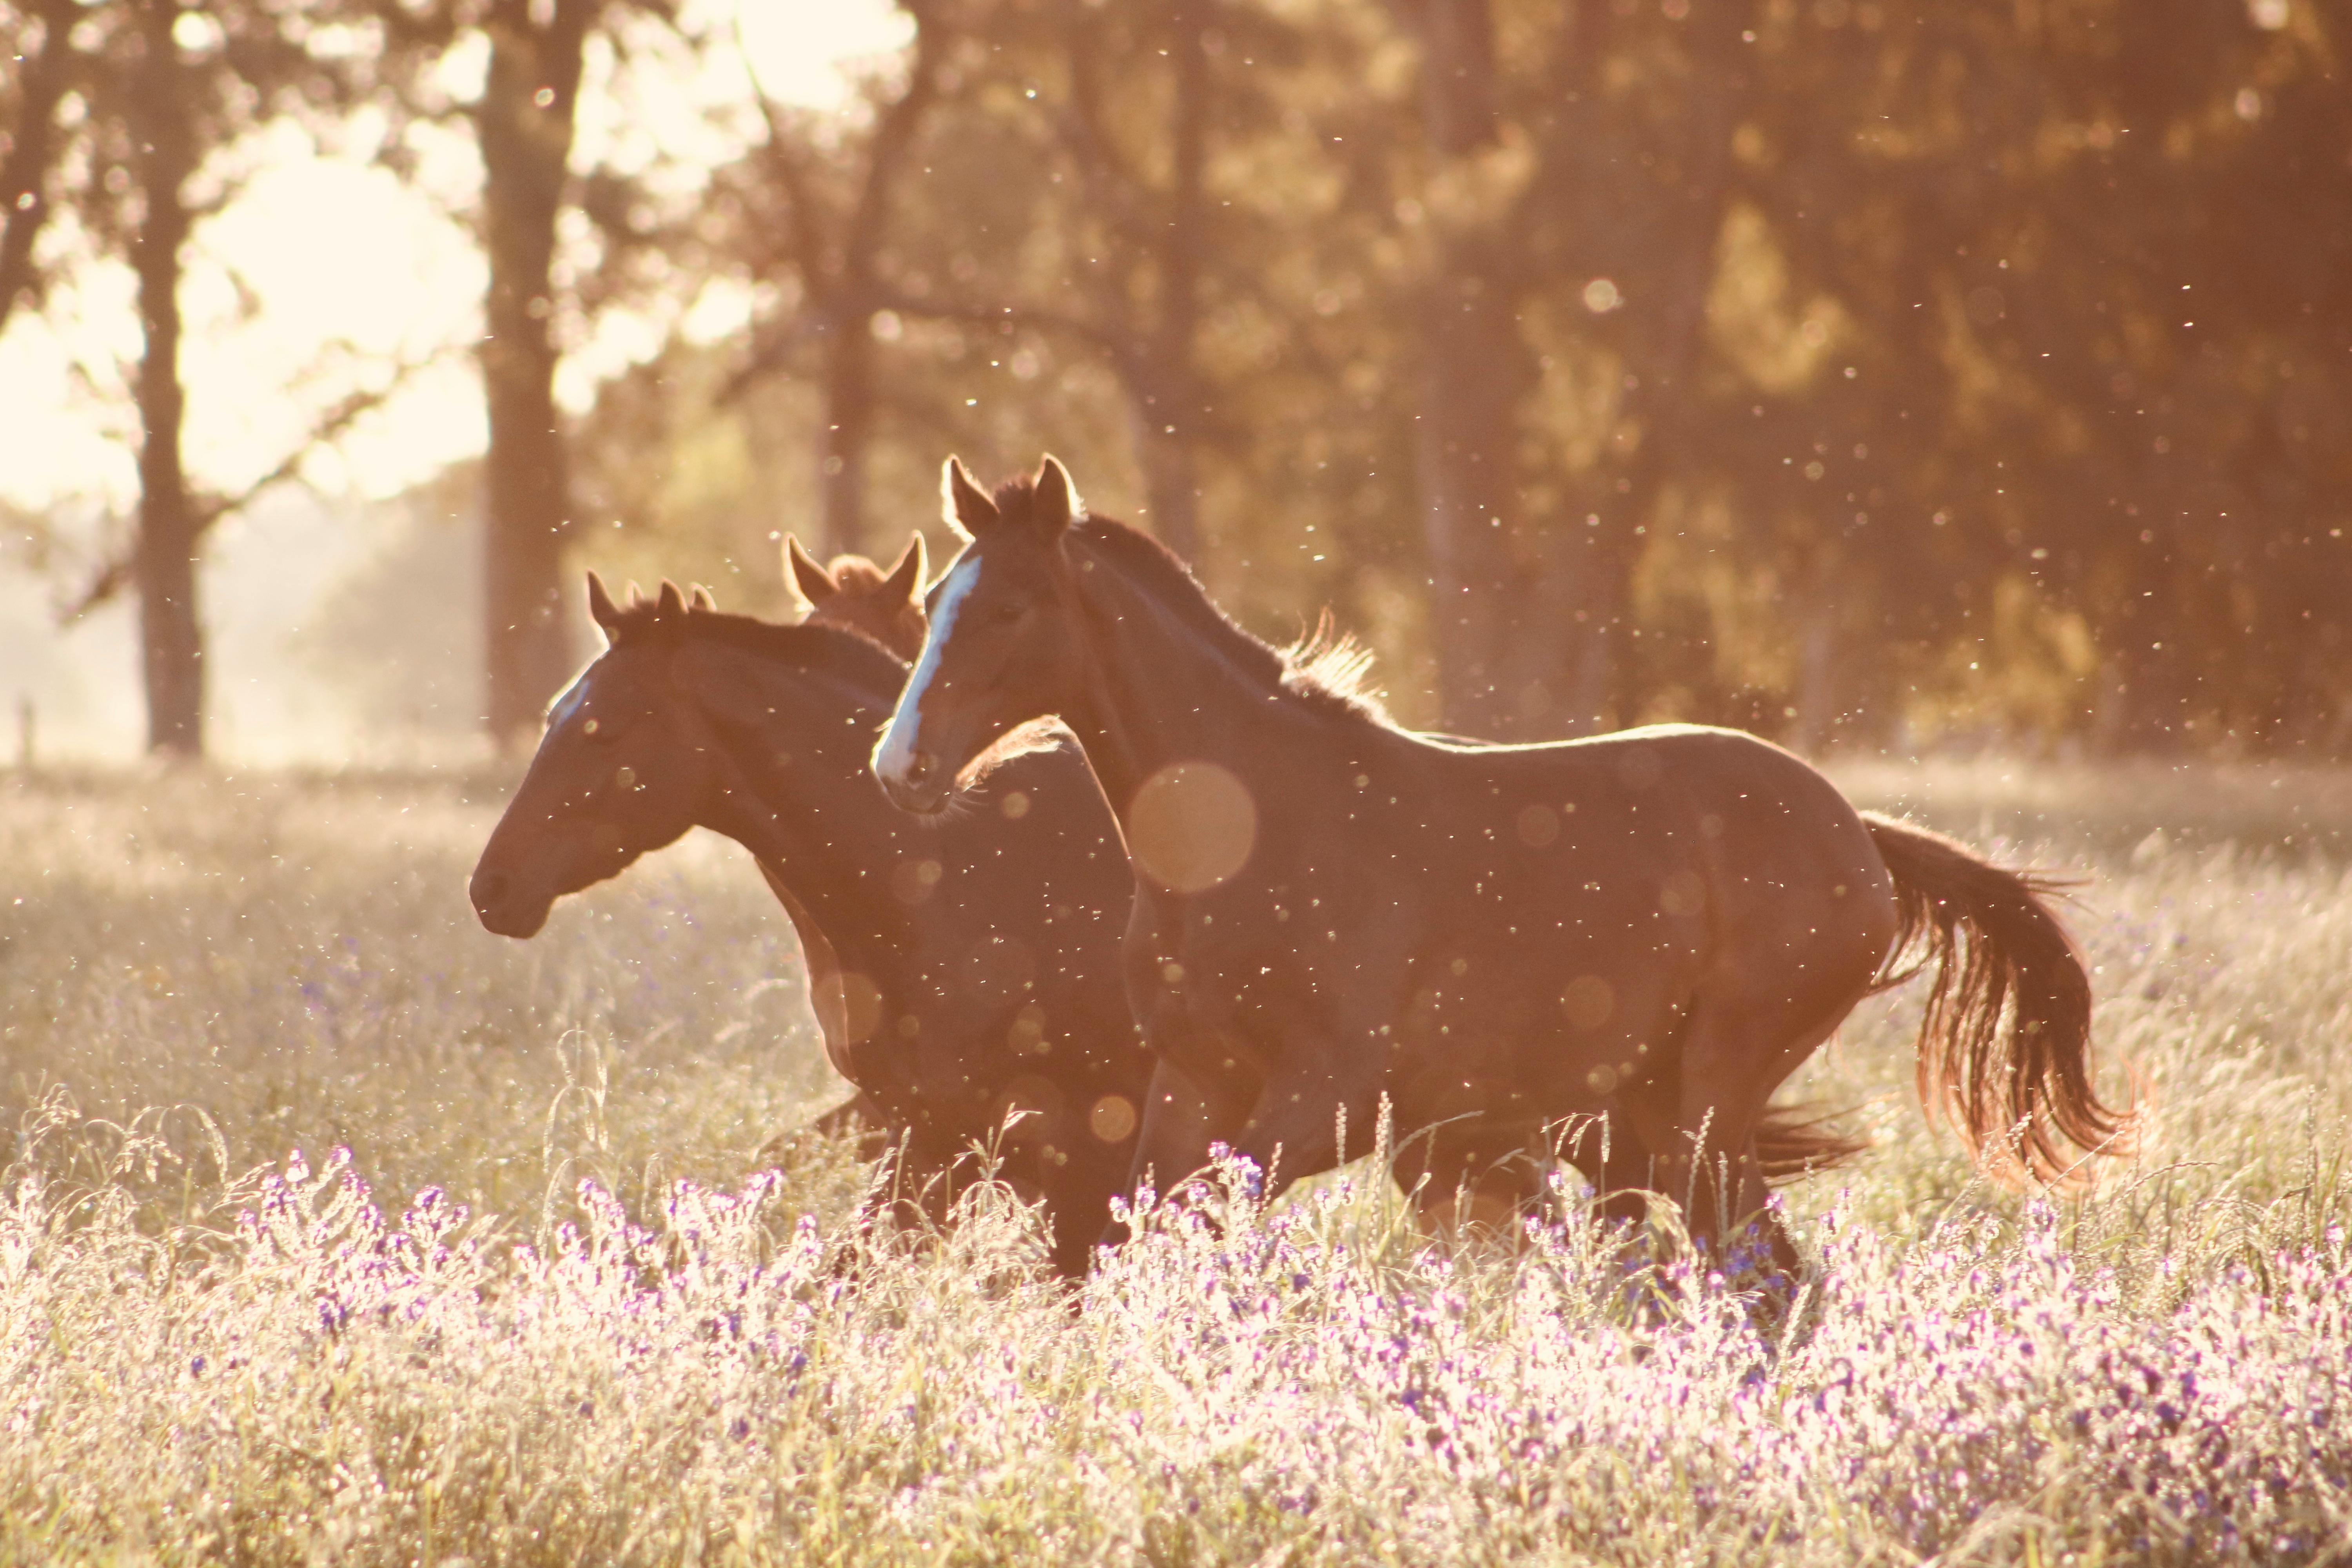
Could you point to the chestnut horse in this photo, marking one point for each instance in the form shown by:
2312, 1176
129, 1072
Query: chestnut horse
1642, 933
855, 593
959, 969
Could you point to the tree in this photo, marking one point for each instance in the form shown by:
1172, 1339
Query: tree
1123, 241
1153, 236
1814, 368
1628, 213
524, 122
524, 119
160, 111
1488, 580
28, 154
162, 87
2094, 275
817, 216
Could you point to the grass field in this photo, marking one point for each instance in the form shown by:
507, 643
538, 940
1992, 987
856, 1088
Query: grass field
336, 1230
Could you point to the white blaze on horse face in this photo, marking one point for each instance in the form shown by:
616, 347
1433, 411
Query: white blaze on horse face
903, 740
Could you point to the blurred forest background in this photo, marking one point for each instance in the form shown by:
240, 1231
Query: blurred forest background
1866, 372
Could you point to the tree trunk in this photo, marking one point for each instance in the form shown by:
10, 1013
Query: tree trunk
1597, 586
1148, 308
1171, 397
1496, 676
850, 405
525, 123
1172, 475
24, 176
1660, 226
1481, 587
163, 561
847, 300
1818, 661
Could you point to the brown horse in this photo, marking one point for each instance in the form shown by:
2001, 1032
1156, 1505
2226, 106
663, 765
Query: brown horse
855, 593
1642, 933
960, 970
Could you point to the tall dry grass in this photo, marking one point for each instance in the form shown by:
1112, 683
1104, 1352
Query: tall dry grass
546, 1285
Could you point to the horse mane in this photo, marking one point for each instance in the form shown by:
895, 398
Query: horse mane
840, 651
1329, 669
1334, 665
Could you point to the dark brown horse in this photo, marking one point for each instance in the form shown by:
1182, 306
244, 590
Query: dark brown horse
1644, 933
960, 970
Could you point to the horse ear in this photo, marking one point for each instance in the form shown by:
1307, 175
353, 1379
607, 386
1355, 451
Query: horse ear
906, 578
672, 603
812, 582
636, 595
600, 608
968, 510
1058, 498
702, 599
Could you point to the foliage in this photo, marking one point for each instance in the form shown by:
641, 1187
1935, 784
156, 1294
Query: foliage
1861, 369
1879, 368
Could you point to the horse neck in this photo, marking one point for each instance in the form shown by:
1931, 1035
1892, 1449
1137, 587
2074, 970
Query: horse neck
804, 803
1161, 690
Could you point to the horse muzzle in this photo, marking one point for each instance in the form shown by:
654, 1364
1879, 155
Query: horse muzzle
918, 783
504, 908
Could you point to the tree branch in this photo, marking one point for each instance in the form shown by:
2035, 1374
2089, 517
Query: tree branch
333, 425
1121, 345
801, 239
842, 292
894, 139
772, 343
1110, 179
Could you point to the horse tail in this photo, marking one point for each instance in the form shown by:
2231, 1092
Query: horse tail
2006, 1044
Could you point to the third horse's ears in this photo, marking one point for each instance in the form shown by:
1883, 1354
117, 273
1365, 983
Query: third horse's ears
702, 599
812, 582
905, 579
967, 508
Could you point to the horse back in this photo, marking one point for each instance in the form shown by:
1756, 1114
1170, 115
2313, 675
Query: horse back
1672, 843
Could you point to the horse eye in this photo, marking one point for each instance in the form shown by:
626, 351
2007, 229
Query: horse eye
1013, 612
625, 777
588, 728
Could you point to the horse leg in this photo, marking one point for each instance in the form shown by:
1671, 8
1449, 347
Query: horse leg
1182, 1118
1466, 1179
1700, 1126
1785, 976
1466, 1187
1293, 1129
1609, 1154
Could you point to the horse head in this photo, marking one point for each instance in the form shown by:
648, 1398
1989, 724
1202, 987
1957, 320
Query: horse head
1003, 645
614, 776
853, 592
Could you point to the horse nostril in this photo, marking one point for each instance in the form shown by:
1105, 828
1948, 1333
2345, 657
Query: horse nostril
921, 770
490, 887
